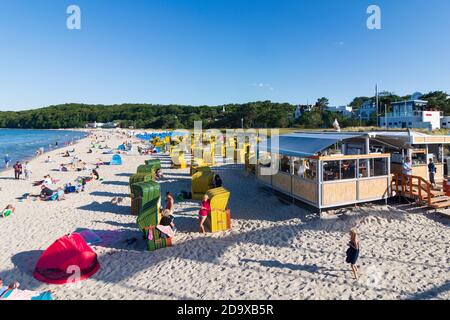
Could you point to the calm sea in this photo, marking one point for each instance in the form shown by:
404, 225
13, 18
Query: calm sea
22, 144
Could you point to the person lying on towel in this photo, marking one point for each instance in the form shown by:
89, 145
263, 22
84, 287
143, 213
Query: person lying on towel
46, 192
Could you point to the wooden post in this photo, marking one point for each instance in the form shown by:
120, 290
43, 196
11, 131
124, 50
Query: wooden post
420, 189
410, 186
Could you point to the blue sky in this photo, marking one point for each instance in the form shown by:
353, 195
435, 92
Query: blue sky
218, 51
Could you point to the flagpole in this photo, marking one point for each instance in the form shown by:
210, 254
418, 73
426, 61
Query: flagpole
376, 97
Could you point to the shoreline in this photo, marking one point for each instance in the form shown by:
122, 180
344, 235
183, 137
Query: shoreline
34, 156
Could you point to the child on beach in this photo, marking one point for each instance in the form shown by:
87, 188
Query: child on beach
7, 211
7, 161
353, 252
170, 201
167, 220
203, 213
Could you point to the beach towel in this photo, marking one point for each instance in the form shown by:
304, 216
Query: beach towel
17, 294
2, 290
90, 236
166, 230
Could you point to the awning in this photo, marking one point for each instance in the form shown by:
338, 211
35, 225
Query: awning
305, 144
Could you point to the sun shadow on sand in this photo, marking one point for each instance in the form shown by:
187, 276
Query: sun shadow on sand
109, 194
432, 293
124, 174
115, 183
106, 207
24, 264
294, 267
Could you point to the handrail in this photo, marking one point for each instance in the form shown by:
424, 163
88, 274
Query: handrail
406, 182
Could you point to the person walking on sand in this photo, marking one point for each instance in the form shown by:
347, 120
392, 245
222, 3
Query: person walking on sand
432, 172
17, 170
27, 170
353, 252
7, 161
203, 213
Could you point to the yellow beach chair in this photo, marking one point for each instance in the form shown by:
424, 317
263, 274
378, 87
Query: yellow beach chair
201, 183
219, 219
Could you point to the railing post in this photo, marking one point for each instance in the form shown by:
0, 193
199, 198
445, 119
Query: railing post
420, 189
410, 186
429, 194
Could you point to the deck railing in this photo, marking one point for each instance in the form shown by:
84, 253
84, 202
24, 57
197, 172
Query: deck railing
404, 185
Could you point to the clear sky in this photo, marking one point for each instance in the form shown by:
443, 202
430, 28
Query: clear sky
219, 51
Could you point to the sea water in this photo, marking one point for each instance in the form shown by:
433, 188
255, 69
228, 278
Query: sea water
21, 145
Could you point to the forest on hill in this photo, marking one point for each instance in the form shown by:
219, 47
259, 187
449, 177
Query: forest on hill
262, 114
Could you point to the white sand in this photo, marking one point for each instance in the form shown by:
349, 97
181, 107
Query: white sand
274, 251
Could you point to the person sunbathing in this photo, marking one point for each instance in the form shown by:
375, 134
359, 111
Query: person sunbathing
46, 192
8, 211
63, 168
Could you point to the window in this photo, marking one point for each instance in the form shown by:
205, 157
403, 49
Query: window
285, 164
331, 171
363, 168
339, 170
348, 169
310, 169
305, 168
378, 167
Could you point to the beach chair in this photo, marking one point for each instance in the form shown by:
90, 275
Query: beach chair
201, 183
140, 177
239, 156
194, 170
145, 203
179, 162
154, 240
153, 162
219, 219
208, 157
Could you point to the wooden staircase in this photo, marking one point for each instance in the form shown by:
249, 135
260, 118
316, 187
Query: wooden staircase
420, 190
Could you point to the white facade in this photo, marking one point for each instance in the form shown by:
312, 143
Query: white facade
419, 120
346, 111
412, 114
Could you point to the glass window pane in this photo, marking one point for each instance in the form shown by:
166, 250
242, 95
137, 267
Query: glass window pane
379, 167
348, 169
285, 164
363, 168
331, 170
310, 169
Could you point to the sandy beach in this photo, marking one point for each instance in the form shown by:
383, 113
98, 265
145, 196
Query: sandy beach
274, 250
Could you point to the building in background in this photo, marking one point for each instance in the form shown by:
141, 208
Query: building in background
346, 111
413, 114
367, 111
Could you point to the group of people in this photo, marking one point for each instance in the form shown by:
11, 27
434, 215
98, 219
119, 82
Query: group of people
20, 169
407, 169
205, 208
